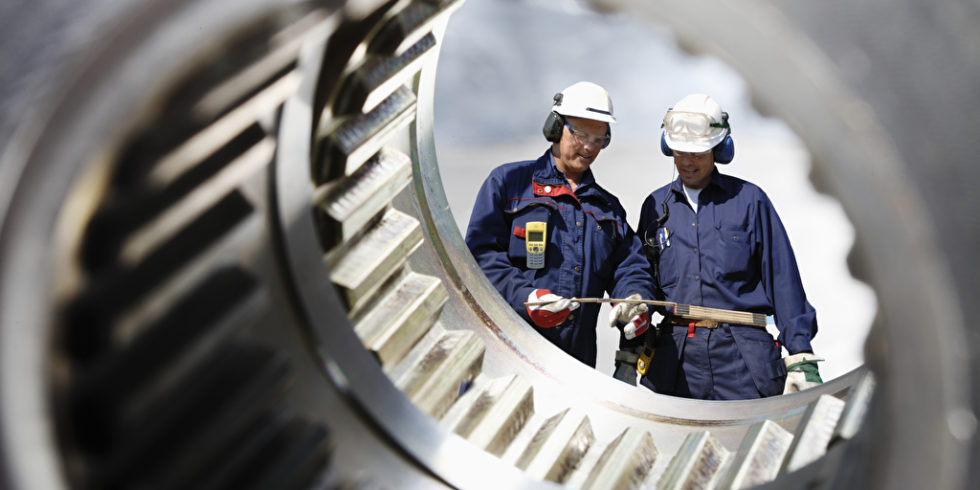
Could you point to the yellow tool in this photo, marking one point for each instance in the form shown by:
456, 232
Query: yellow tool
643, 363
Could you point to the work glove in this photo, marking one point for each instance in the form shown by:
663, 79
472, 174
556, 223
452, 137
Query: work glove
801, 372
551, 314
636, 317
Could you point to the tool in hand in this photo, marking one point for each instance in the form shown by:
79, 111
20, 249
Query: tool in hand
683, 311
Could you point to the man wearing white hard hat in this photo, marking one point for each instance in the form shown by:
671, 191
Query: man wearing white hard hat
544, 230
715, 240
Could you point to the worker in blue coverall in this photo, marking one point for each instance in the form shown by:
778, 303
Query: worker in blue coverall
715, 240
589, 248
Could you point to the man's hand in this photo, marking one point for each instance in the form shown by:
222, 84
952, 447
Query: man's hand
551, 314
636, 317
637, 326
801, 372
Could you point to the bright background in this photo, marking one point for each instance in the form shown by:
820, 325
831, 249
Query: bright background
502, 62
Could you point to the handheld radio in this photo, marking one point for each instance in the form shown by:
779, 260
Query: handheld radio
536, 238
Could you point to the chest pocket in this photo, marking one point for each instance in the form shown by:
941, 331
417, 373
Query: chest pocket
737, 249
607, 231
669, 266
521, 216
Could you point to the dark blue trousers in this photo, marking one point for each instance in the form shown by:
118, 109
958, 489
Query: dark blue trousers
730, 362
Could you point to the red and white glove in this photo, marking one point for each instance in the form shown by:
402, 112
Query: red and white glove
639, 324
551, 314
636, 316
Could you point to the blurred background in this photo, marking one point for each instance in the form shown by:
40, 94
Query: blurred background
504, 60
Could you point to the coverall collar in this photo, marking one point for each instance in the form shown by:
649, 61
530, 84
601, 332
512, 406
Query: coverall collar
727, 186
546, 172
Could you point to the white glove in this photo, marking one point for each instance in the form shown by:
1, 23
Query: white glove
801, 372
551, 314
626, 312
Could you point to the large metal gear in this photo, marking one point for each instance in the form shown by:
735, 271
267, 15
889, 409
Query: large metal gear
227, 261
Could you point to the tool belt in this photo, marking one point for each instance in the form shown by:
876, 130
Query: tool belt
684, 322
646, 354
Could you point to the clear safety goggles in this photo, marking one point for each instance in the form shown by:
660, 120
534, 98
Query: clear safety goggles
585, 138
691, 124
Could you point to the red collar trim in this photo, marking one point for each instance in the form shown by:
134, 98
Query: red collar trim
551, 190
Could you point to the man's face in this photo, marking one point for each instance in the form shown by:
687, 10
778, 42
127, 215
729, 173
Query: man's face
579, 147
694, 168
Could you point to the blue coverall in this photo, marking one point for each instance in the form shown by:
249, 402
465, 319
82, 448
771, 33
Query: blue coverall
591, 248
733, 253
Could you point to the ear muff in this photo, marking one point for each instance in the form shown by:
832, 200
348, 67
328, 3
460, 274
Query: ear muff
725, 151
554, 125
663, 145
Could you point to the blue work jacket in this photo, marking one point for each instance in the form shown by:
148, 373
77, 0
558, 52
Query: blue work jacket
590, 250
732, 253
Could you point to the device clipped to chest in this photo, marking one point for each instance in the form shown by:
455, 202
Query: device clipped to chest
535, 240
663, 238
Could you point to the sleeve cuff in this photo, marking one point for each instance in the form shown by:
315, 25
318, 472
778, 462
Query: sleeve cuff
518, 304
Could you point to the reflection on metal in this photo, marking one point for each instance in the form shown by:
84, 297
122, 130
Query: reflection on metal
757, 460
358, 138
697, 464
626, 461
432, 374
247, 292
856, 409
492, 417
378, 253
814, 433
378, 77
350, 202
557, 446
400, 319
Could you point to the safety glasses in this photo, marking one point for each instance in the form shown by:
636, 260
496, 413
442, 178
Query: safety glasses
693, 124
585, 138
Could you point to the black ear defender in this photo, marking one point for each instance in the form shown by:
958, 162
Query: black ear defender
723, 152
554, 125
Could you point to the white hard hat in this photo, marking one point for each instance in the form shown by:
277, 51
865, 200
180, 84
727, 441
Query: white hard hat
695, 124
586, 100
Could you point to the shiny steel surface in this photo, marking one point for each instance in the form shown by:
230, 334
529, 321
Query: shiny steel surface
227, 261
